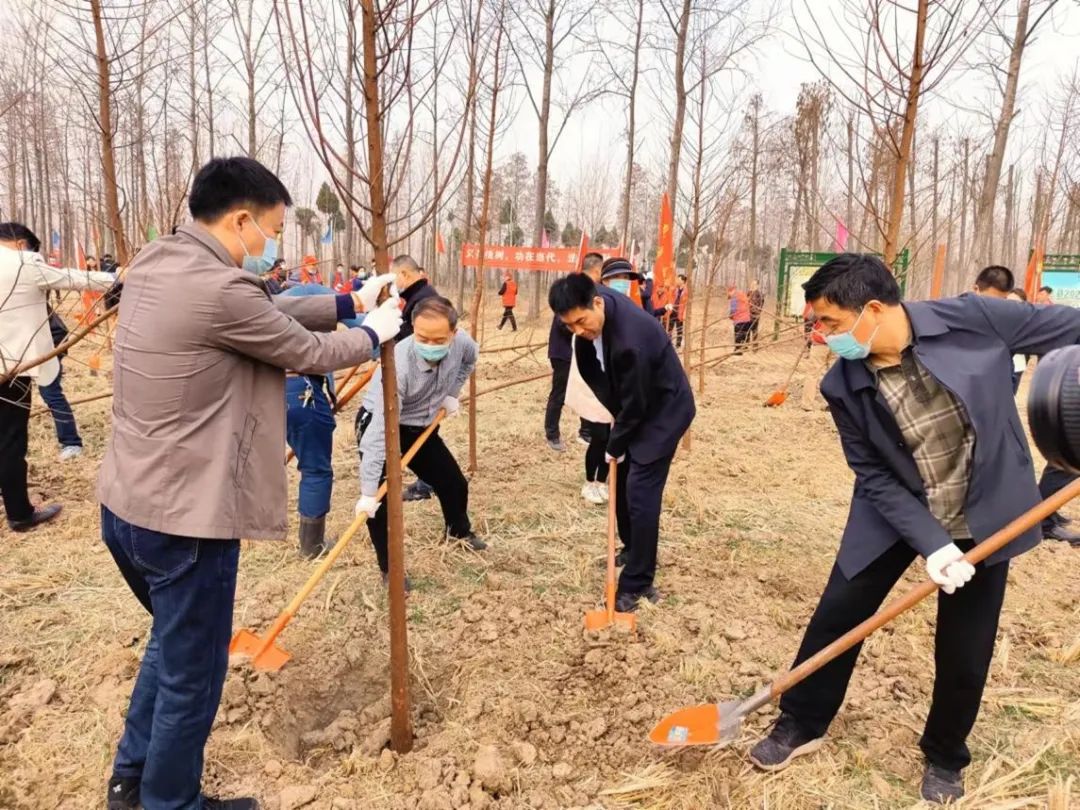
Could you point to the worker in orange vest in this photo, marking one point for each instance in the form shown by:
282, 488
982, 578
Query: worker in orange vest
508, 291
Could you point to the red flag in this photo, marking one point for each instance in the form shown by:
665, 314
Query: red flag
664, 269
1033, 276
80, 255
440, 246
583, 248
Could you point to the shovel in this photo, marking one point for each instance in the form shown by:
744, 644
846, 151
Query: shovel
264, 653
779, 396
599, 619
716, 723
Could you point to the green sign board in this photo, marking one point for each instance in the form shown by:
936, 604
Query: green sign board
1061, 273
796, 267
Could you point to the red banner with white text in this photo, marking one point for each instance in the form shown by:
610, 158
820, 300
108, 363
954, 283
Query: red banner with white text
508, 257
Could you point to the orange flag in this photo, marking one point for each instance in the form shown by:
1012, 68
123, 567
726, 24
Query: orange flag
440, 246
1033, 276
664, 269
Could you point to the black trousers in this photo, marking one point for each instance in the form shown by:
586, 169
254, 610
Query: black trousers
14, 429
967, 623
742, 335
596, 469
752, 332
1053, 479
560, 374
639, 492
675, 328
435, 464
508, 315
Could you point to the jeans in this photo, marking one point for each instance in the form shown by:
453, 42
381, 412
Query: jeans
309, 430
639, 493
67, 432
560, 373
14, 427
967, 624
187, 585
435, 464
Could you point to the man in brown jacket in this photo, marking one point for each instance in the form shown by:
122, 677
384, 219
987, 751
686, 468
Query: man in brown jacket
195, 458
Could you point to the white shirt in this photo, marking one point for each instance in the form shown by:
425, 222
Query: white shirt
598, 344
25, 281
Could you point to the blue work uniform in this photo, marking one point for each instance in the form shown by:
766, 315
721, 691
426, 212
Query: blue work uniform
309, 426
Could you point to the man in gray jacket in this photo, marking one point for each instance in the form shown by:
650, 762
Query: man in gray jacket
432, 366
195, 458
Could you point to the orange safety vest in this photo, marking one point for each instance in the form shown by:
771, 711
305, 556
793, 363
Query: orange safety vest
509, 296
679, 299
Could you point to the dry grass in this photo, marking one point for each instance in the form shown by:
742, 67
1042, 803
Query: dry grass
752, 517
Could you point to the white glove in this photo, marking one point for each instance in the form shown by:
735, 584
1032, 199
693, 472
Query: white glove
948, 568
451, 406
367, 505
368, 294
669, 307
385, 320
610, 458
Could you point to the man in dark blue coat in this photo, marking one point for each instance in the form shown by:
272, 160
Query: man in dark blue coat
628, 361
923, 402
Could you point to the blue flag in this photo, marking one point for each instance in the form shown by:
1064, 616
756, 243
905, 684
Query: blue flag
328, 237
56, 240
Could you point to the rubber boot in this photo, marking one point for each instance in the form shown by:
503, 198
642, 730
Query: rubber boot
312, 534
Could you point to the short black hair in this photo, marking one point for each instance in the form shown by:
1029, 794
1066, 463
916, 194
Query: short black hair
995, 277
852, 280
682, 276
1047, 290
591, 260
16, 232
436, 305
575, 291
225, 184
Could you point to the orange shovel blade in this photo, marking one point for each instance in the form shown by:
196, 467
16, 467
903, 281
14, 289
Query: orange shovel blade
691, 725
599, 619
776, 399
247, 643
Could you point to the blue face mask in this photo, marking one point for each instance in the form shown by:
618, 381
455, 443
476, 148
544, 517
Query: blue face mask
264, 263
846, 345
621, 285
432, 352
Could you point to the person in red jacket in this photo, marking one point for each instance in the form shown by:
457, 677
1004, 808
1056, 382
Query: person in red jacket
677, 310
740, 317
508, 291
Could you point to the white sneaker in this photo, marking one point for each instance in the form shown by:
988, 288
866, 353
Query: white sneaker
70, 452
602, 491
590, 493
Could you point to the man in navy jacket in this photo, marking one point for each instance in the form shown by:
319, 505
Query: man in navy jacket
626, 358
924, 406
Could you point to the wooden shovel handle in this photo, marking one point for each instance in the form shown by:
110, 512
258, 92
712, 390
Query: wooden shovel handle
609, 584
986, 548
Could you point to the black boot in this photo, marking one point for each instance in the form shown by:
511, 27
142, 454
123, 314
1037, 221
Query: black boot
123, 793
312, 534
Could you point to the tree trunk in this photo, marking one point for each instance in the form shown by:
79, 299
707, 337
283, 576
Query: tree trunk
680, 107
755, 148
624, 224
964, 198
542, 148
907, 137
401, 732
850, 177
984, 213
108, 155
